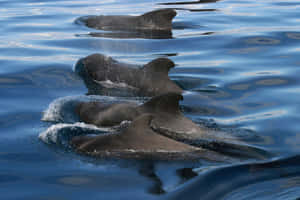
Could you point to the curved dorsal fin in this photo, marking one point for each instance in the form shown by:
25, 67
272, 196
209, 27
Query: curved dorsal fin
158, 65
168, 102
161, 18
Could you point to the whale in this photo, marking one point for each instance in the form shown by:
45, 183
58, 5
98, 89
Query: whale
106, 76
170, 122
139, 141
155, 20
165, 107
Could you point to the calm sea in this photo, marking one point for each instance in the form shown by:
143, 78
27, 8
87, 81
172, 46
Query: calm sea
238, 60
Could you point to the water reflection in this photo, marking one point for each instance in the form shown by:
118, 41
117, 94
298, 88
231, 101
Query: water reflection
24, 157
262, 41
259, 41
4, 178
249, 174
272, 82
251, 117
245, 50
75, 180
47, 77
294, 142
189, 2
197, 10
131, 35
295, 36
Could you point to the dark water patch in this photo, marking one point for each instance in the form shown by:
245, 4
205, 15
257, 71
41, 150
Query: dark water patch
4, 178
187, 83
14, 119
189, 2
289, 3
149, 171
213, 92
166, 55
239, 176
199, 70
43, 77
260, 83
185, 25
198, 10
262, 41
24, 157
186, 173
265, 42
295, 35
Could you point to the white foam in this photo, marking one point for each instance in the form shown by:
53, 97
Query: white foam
63, 109
61, 134
115, 85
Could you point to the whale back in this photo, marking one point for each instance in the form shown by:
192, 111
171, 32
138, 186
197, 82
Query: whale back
159, 65
138, 137
105, 68
168, 103
102, 72
159, 19
106, 115
156, 79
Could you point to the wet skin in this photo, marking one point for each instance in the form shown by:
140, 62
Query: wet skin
101, 73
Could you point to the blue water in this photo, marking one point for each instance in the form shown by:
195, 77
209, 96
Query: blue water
237, 60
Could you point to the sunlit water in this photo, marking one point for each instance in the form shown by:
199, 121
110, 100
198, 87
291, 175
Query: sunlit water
237, 60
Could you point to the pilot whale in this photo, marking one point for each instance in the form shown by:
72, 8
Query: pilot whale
168, 121
104, 75
165, 108
139, 141
155, 20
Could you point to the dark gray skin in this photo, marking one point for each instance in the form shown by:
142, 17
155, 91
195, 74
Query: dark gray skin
148, 80
155, 20
165, 108
169, 122
139, 141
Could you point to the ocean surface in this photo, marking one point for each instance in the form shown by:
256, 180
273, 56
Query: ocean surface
237, 60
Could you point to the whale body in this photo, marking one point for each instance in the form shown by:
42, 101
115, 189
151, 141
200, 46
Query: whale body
139, 141
106, 76
164, 107
155, 20
167, 121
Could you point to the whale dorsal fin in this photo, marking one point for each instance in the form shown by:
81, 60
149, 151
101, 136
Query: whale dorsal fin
161, 19
168, 102
159, 65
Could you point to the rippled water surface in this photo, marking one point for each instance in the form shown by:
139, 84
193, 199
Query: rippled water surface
237, 60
